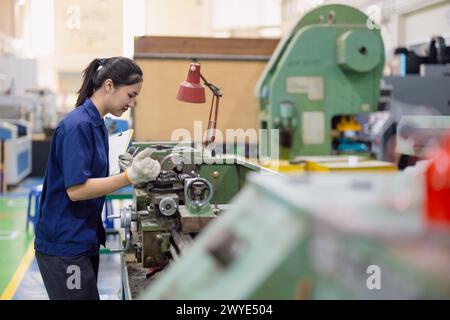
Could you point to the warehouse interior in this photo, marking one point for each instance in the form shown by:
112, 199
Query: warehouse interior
322, 171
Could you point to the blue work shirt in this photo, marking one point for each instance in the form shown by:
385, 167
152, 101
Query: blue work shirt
79, 151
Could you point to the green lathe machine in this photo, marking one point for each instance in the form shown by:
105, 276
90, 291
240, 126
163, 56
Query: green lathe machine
322, 75
168, 213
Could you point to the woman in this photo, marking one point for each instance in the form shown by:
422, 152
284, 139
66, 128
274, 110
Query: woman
70, 230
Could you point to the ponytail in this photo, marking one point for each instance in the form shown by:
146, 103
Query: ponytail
87, 88
122, 71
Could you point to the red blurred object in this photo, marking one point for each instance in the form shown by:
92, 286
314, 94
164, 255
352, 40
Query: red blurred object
193, 92
437, 196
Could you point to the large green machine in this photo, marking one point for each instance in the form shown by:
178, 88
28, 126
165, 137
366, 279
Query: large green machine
325, 72
166, 214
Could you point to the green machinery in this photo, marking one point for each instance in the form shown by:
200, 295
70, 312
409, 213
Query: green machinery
269, 244
167, 214
281, 240
325, 72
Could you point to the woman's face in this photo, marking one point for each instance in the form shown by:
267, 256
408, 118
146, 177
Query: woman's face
119, 99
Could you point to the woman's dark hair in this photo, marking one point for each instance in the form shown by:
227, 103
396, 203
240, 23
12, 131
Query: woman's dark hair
122, 71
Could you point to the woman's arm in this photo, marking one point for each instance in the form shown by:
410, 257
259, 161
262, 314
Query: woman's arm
142, 169
97, 187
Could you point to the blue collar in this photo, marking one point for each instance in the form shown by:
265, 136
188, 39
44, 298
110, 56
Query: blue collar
92, 111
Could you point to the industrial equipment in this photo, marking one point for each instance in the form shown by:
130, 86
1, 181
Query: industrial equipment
15, 136
167, 213
420, 95
437, 55
418, 136
323, 74
45, 113
367, 239
280, 238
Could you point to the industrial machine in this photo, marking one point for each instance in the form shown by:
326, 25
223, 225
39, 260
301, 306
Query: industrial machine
422, 95
16, 127
279, 238
369, 239
426, 93
323, 74
169, 212
15, 136
417, 86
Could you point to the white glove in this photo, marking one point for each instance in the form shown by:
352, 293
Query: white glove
125, 161
143, 168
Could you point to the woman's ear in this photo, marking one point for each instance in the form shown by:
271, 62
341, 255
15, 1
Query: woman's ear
109, 85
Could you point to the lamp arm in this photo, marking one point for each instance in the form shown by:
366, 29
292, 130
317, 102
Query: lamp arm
215, 90
212, 121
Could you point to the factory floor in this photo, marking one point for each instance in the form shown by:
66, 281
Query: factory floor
19, 274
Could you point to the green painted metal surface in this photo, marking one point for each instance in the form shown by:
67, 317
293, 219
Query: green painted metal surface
213, 281
323, 68
231, 179
283, 239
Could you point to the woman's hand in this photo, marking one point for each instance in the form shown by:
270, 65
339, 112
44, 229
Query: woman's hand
143, 168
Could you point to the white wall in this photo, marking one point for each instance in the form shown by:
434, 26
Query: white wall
178, 18
257, 18
134, 15
209, 18
65, 35
419, 26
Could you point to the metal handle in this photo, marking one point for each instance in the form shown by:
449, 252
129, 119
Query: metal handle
198, 204
127, 244
125, 223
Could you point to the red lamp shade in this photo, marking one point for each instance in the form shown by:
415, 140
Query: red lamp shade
192, 90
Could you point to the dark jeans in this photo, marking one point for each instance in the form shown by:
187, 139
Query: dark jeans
69, 278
